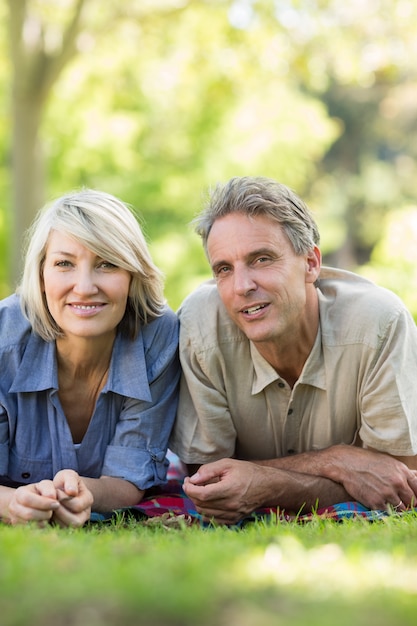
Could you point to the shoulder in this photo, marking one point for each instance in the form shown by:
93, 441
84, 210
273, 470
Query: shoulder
167, 321
204, 320
14, 326
351, 304
162, 331
341, 285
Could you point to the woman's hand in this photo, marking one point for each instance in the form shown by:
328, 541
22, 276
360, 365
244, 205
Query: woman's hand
36, 502
74, 499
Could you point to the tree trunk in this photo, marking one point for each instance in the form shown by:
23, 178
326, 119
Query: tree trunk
35, 71
27, 174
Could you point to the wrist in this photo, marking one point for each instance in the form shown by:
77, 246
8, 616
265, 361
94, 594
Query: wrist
332, 463
6, 495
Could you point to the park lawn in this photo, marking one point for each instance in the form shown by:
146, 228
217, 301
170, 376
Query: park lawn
266, 574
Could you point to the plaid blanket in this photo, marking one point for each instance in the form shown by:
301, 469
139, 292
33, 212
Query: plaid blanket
171, 503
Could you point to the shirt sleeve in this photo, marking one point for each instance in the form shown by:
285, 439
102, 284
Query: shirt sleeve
388, 399
204, 429
137, 452
4, 442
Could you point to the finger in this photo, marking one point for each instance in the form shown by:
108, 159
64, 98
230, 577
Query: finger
62, 496
412, 482
217, 516
72, 486
20, 514
209, 473
68, 481
64, 517
396, 508
203, 493
32, 497
46, 489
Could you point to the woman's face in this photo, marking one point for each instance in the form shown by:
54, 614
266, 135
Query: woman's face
86, 295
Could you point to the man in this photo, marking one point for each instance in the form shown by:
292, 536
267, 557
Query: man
299, 382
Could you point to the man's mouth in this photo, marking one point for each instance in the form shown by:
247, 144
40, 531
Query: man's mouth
254, 309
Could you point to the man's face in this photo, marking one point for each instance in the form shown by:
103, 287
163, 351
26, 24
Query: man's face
261, 281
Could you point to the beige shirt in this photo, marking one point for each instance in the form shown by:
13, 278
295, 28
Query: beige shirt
360, 378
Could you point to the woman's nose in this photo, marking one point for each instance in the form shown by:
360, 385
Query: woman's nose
85, 283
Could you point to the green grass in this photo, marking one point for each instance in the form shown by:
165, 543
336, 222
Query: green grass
322, 572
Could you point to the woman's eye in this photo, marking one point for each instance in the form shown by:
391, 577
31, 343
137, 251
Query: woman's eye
106, 265
63, 264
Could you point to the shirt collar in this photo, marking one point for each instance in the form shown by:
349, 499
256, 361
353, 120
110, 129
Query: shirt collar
37, 370
264, 373
313, 372
127, 375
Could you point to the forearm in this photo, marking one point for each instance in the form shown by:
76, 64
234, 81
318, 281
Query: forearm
228, 490
112, 493
375, 479
296, 491
6, 495
329, 463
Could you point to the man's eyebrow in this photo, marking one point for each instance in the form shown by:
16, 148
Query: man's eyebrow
218, 264
260, 251
251, 255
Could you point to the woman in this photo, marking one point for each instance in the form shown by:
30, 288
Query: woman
89, 367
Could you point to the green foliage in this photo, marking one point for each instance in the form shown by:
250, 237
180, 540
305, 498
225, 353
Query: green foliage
394, 259
4, 159
166, 98
266, 574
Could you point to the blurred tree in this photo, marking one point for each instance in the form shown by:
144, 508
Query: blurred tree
358, 58
38, 55
393, 261
166, 97
206, 101
44, 38
4, 155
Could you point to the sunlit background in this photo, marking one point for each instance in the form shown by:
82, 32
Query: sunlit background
155, 101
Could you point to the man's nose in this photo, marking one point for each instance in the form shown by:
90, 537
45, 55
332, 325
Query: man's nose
243, 281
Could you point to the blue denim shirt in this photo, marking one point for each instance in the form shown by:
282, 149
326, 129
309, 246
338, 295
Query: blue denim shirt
128, 433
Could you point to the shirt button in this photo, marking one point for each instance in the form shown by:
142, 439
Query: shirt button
290, 411
25, 475
281, 384
290, 451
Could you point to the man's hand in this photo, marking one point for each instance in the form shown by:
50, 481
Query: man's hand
375, 479
74, 499
228, 490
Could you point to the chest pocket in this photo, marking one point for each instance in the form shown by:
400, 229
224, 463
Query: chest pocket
25, 470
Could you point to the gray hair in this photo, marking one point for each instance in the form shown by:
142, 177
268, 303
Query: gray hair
254, 196
107, 227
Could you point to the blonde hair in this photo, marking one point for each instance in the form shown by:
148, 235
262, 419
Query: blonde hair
106, 226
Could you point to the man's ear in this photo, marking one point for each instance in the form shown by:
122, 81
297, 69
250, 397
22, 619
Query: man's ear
313, 265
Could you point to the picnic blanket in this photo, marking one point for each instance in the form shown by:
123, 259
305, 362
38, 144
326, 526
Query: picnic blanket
171, 503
